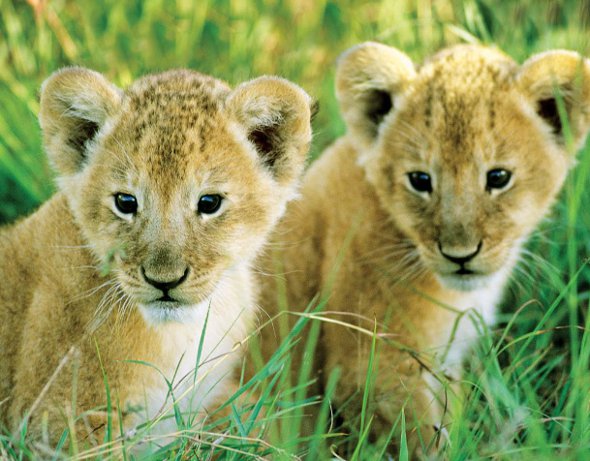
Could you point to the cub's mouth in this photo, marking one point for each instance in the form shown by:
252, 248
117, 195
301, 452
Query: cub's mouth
457, 267
167, 298
175, 300
166, 291
162, 311
464, 271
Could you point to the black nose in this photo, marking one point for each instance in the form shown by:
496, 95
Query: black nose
165, 286
460, 259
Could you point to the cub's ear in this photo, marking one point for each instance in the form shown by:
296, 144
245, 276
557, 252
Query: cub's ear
277, 117
567, 74
368, 77
75, 104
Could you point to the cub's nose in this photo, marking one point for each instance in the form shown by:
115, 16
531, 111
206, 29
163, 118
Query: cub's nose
459, 257
165, 285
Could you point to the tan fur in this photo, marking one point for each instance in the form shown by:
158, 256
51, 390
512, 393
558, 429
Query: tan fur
370, 244
75, 303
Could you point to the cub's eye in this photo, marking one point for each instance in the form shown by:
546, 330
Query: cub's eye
498, 178
209, 204
420, 181
125, 203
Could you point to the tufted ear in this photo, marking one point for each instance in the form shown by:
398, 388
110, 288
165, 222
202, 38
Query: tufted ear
277, 117
75, 103
567, 74
368, 77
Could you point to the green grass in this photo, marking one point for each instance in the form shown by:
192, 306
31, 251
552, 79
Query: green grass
527, 385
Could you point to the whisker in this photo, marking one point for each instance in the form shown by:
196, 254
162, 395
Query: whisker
92, 291
72, 247
104, 308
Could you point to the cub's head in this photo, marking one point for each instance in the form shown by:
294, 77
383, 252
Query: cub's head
468, 152
176, 181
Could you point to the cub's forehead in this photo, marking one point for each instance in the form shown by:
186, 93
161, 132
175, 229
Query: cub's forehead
177, 98
172, 126
460, 96
464, 73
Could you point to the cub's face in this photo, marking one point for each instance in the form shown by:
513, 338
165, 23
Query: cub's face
468, 153
179, 180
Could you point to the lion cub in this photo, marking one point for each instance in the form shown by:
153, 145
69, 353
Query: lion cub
418, 214
137, 271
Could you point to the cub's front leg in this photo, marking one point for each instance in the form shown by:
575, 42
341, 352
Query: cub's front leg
66, 401
404, 381
64, 374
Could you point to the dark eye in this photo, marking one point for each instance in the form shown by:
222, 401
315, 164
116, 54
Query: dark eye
498, 178
125, 203
420, 181
209, 204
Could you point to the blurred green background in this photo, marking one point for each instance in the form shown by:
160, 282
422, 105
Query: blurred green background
235, 40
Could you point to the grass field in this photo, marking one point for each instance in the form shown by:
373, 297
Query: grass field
526, 391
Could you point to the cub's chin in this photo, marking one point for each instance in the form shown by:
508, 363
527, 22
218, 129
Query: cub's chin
464, 282
473, 281
165, 312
